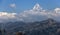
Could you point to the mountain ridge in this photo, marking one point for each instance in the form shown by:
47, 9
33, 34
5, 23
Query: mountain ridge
38, 26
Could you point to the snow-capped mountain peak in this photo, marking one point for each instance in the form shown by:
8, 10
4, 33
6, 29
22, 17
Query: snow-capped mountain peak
37, 7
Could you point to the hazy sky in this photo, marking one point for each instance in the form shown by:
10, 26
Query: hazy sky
21, 5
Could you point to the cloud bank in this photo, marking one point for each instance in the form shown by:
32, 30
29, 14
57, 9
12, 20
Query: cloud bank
35, 14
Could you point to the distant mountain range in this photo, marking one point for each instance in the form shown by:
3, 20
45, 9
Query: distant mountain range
45, 27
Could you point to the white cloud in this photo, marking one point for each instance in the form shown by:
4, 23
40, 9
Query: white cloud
6, 14
57, 10
35, 14
13, 5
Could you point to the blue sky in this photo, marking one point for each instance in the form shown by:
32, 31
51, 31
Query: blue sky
22, 5
24, 12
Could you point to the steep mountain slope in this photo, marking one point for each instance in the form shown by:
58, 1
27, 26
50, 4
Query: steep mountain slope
45, 27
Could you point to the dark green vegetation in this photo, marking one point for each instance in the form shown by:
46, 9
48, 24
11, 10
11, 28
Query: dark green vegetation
46, 27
